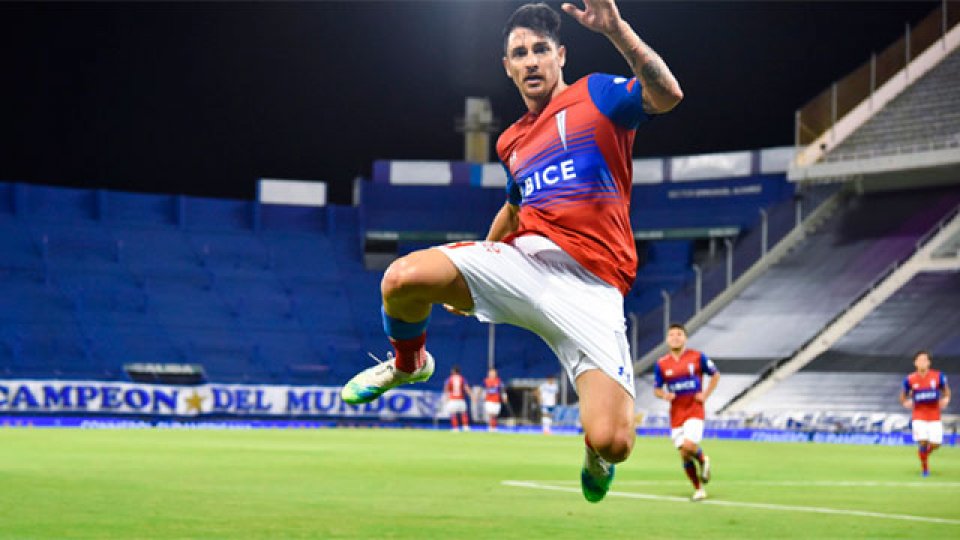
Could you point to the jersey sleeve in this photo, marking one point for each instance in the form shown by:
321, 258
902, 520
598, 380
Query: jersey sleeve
513, 189
943, 380
906, 386
657, 376
707, 366
620, 99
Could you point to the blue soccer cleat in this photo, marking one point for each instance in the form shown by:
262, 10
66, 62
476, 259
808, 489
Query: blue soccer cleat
371, 383
596, 476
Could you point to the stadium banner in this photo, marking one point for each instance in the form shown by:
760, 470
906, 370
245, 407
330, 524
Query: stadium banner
897, 438
101, 397
655, 170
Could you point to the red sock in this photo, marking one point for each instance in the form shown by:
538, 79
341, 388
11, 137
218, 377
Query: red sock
409, 352
464, 419
493, 422
691, 470
924, 453
453, 421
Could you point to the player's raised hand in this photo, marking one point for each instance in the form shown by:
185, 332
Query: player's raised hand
598, 15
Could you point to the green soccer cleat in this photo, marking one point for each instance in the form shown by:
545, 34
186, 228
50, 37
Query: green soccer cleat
596, 476
371, 383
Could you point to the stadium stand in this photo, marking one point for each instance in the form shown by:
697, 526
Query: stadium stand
829, 330
266, 293
798, 295
925, 116
863, 371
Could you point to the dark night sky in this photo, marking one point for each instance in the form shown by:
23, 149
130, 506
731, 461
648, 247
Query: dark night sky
204, 98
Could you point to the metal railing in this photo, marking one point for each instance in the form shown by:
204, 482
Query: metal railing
823, 111
713, 276
926, 146
775, 365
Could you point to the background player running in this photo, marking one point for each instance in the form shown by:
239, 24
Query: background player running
679, 380
560, 253
494, 394
926, 392
455, 390
547, 396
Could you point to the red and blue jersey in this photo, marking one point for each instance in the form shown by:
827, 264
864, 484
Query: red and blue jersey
683, 376
493, 388
570, 169
925, 391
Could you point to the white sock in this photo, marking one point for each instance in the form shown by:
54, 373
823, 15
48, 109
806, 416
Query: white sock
594, 464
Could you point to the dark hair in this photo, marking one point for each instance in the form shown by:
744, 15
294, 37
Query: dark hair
455, 368
923, 351
540, 18
678, 326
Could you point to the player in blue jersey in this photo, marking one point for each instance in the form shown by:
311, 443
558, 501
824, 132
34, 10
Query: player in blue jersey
560, 253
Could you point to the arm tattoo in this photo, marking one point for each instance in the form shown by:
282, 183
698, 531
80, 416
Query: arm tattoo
653, 73
656, 80
659, 87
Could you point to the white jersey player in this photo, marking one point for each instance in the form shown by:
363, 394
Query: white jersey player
547, 396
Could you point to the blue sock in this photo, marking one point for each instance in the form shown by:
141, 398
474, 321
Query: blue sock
400, 330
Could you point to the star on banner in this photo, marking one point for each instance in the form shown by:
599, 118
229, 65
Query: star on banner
195, 402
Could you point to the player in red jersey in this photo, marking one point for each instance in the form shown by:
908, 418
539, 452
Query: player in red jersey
455, 390
560, 253
493, 395
679, 380
926, 392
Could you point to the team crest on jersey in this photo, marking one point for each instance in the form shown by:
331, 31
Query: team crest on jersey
562, 127
669, 372
513, 159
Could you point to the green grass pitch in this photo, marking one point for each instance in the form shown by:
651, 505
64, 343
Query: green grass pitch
367, 483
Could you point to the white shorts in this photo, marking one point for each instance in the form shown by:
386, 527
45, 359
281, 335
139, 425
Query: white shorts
454, 406
930, 431
534, 284
691, 430
491, 408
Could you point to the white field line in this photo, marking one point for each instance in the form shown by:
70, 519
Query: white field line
761, 506
784, 483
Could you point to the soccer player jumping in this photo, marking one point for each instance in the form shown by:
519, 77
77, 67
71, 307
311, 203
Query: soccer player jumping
679, 380
925, 391
560, 253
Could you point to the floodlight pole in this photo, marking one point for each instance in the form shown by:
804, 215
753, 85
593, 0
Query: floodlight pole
491, 344
666, 310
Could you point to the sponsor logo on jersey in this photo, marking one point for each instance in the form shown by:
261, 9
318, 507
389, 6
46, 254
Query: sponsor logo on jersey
683, 385
549, 176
